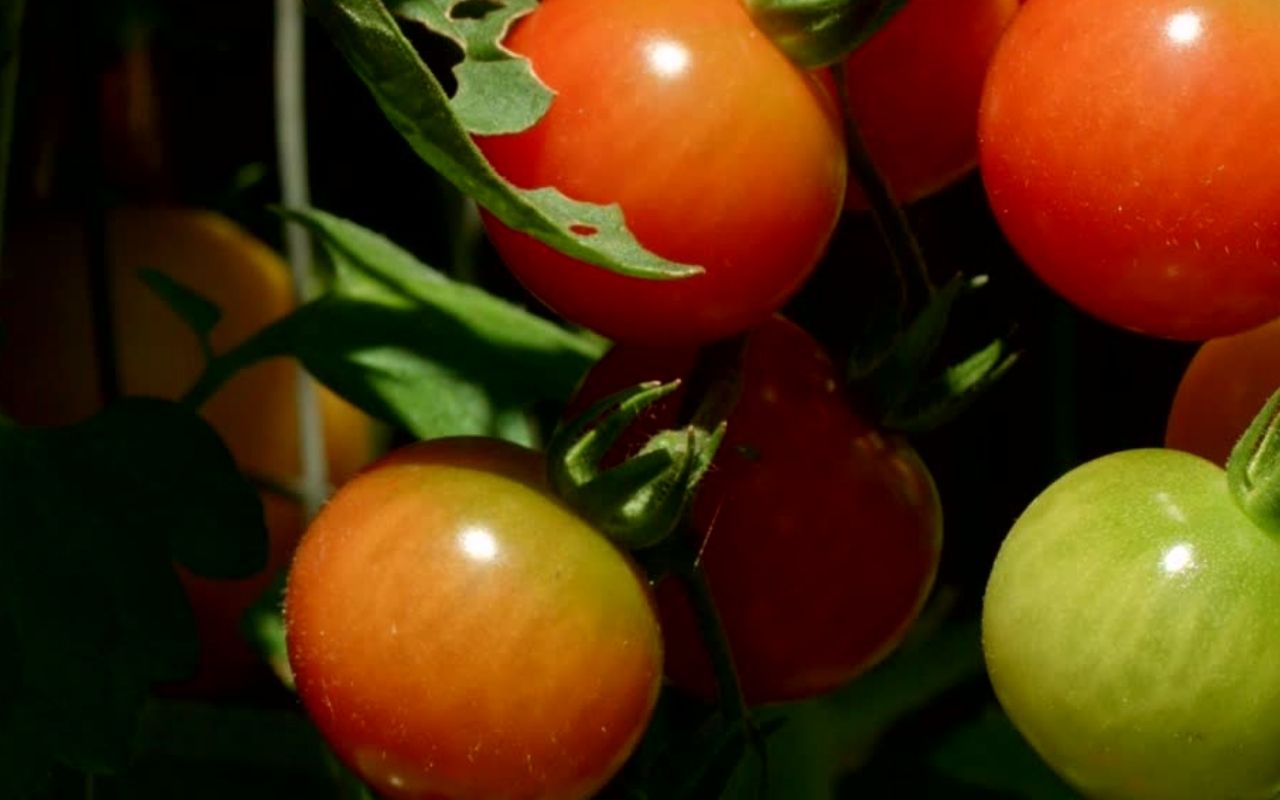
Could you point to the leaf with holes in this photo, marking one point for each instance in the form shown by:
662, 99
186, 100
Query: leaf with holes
413, 100
497, 90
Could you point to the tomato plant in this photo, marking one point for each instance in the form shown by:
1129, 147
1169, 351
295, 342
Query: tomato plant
50, 373
914, 88
1130, 629
1126, 152
457, 632
1225, 384
820, 534
719, 152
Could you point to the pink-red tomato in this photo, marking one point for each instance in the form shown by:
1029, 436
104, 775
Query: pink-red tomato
457, 632
1225, 386
914, 90
719, 151
820, 533
1128, 150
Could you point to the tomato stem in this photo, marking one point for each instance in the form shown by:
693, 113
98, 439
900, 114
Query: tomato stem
904, 248
733, 705
10, 28
1253, 470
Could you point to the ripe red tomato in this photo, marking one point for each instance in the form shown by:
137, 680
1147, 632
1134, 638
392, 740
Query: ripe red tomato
1128, 152
914, 90
457, 632
1225, 386
821, 534
720, 152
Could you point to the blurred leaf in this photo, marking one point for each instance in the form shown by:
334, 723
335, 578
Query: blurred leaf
198, 312
989, 753
497, 90
410, 346
91, 518
818, 739
197, 751
414, 102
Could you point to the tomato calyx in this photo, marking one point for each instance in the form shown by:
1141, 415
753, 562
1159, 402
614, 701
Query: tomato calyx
817, 33
1253, 470
895, 376
641, 501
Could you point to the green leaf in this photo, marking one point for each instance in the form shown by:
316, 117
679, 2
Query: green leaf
414, 102
989, 754
91, 519
497, 90
817, 33
200, 314
949, 394
412, 347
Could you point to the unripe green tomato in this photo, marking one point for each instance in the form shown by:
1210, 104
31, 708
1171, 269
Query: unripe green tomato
1132, 631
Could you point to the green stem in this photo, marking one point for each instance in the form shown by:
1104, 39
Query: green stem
10, 48
904, 249
1253, 470
733, 705
269, 342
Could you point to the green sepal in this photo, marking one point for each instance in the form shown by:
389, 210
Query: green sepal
641, 501
817, 33
1253, 469
899, 382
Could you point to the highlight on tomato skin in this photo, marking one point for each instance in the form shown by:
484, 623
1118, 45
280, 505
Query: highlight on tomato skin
1227, 382
820, 534
718, 150
914, 90
1126, 150
1130, 630
457, 632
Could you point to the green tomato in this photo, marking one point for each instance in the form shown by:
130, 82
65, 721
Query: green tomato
1132, 631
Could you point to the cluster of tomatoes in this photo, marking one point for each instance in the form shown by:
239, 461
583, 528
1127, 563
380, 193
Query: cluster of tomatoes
456, 630
496, 645
453, 628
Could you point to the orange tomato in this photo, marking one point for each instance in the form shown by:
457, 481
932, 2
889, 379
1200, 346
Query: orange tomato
48, 373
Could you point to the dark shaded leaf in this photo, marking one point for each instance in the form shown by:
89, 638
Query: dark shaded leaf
91, 519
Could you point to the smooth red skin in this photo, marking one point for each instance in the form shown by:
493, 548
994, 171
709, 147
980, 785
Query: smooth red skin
736, 164
1225, 386
1139, 176
821, 533
436, 674
914, 90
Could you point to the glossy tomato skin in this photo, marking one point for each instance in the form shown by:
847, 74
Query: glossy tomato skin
456, 632
719, 151
1132, 631
1127, 150
1225, 386
820, 533
914, 90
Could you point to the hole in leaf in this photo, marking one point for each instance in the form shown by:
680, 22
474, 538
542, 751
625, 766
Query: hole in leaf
582, 229
474, 9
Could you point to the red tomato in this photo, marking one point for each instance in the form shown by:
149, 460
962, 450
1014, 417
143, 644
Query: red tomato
914, 90
1129, 153
1225, 386
821, 534
720, 152
456, 632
